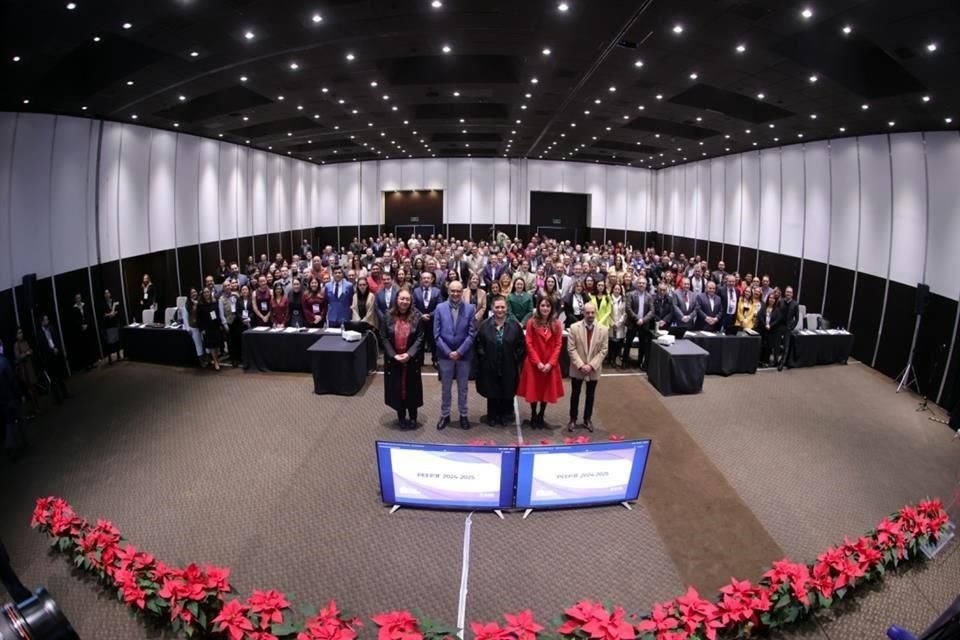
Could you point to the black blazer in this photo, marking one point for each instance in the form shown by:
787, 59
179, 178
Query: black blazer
790, 311
776, 319
663, 309
569, 317
414, 343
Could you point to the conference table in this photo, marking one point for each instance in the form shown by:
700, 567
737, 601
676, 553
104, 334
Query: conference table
727, 354
267, 349
158, 345
677, 368
340, 366
810, 347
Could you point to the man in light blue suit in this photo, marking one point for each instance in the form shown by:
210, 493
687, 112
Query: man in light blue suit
339, 294
454, 330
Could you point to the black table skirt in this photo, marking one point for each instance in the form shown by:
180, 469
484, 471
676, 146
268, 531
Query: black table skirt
341, 367
812, 350
265, 351
679, 368
159, 345
729, 354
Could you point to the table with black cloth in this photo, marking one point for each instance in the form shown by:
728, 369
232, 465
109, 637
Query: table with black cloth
728, 354
819, 348
679, 368
340, 366
277, 350
159, 345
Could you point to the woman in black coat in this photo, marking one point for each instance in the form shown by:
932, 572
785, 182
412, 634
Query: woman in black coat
500, 348
209, 321
402, 338
768, 322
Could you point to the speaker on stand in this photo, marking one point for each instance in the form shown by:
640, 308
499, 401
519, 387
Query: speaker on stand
908, 377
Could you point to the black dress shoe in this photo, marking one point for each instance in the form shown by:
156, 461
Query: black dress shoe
464, 422
589, 425
443, 423
488, 420
571, 426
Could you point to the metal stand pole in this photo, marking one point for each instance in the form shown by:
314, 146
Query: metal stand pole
908, 377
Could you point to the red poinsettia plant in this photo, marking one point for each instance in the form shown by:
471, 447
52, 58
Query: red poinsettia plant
193, 600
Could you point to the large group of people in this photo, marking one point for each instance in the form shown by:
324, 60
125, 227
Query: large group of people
494, 310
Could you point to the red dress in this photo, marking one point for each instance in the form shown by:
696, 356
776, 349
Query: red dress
543, 345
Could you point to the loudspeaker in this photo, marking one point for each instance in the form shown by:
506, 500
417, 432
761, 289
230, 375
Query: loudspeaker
923, 297
29, 285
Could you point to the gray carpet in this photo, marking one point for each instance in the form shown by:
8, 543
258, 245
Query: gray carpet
257, 473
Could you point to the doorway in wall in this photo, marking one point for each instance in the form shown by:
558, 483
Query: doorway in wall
561, 215
413, 211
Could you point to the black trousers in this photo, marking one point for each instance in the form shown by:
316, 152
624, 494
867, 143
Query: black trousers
781, 344
575, 385
499, 407
235, 340
429, 344
643, 343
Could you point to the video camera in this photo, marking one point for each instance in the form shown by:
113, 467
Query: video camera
31, 616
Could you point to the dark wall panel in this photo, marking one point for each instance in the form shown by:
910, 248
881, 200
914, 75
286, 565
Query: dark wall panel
260, 247
68, 284
325, 236
210, 258
273, 242
565, 210
714, 254
684, 245
933, 343
867, 305
229, 251
748, 260
784, 270
246, 250
839, 295
635, 239
898, 323
368, 231
458, 231
42, 304
811, 286
189, 259
8, 320
413, 207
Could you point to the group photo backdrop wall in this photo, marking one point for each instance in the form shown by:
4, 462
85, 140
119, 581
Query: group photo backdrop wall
853, 224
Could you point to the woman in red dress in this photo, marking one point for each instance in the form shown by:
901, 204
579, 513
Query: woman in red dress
540, 381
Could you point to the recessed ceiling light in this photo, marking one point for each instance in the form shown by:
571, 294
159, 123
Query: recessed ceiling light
243, 78
513, 132
316, 116
534, 80
847, 29
317, 17
246, 118
761, 96
299, 107
741, 48
394, 108
842, 129
641, 107
659, 96
699, 119
771, 125
294, 66
133, 117
546, 51
369, 124
776, 139
864, 106
693, 76
517, 121
612, 89
807, 13
182, 98
176, 124
446, 48
678, 29
563, 7
436, 4
341, 101
129, 83
461, 122
324, 90
747, 131
354, 112
586, 112
948, 120
406, 122
725, 149
96, 38
248, 35
289, 134
127, 25
727, 136
350, 57
194, 54
71, 6
280, 98
26, 101
83, 108
891, 123
925, 98
385, 97
638, 63
813, 78
456, 94
799, 135
932, 47
754, 144
813, 116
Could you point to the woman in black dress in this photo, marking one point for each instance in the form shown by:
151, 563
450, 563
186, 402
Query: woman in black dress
209, 322
402, 358
500, 347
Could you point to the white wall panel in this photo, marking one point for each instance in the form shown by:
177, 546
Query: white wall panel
750, 192
258, 192
501, 192
909, 208
574, 177
458, 204
227, 190
30, 196
596, 187
109, 240
717, 183
272, 179
672, 195
134, 191
411, 172
876, 205
391, 175
943, 236
349, 175
771, 191
187, 176
327, 214
370, 199
434, 173
161, 190
845, 202
8, 124
816, 242
482, 203
636, 201
69, 195
286, 195
791, 223
701, 200
313, 197
208, 184
691, 173
616, 199
298, 175
733, 200
551, 174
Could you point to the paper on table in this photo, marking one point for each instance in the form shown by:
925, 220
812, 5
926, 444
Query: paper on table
261, 328
313, 330
133, 325
290, 330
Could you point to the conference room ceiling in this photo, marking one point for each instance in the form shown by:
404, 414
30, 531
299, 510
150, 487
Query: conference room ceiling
649, 83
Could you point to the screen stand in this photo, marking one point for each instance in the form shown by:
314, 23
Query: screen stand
526, 513
394, 508
499, 513
627, 505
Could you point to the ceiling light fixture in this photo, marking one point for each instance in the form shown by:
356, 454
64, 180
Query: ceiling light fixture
83, 108
842, 129
807, 13
641, 107
26, 101
932, 47
350, 57
741, 48
182, 98
446, 48
243, 78
373, 83
948, 120
294, 66
176, 124
280, 98
456, 94
813, 78
678, 29
864, 106
249, 35
386, 97
847, 29
546, 51
194, 54
612, 89
813, 116
534, 80
891, 123
638, 63
693, 76
133, 117
129, 83
436, 4
925, 98
127, 25
563, 7
96, 38
761, 96
317, 18
71, 6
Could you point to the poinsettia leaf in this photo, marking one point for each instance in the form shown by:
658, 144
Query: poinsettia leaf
284, 629
193, 608
308, 610
202, 618
152, 606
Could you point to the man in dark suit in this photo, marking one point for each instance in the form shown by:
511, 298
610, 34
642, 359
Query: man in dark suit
720, 275
684, 306
51, 358
709, 309
454, 330
790, 311
84, 335
492, 271
339, 295
662, 308
640, 318
458, 264
426, 297
728, 299
386, 296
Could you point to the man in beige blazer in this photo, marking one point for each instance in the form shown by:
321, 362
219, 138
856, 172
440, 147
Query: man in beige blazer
587, 346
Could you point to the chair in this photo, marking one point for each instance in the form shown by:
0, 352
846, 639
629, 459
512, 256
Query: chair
148, 316
800, 317
812, 321
168, 315
181, 300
